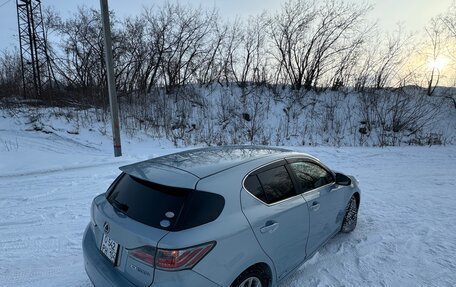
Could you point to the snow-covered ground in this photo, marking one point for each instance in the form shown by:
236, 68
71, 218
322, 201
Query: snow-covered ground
406, 234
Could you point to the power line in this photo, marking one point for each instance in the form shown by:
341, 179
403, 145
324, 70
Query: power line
4, 3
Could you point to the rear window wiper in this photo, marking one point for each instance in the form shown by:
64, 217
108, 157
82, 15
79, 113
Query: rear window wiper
120, 206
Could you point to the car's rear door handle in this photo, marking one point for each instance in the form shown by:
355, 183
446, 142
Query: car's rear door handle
270, 227
315, 206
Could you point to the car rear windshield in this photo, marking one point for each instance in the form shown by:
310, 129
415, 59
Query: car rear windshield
163, 207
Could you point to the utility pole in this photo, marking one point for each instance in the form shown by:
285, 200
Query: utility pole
111, 80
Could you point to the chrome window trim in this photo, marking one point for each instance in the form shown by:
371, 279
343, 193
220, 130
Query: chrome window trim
317, 162
260, 167
311, 195
305, 158
271, 204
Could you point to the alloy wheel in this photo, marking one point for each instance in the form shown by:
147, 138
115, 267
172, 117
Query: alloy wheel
251, 282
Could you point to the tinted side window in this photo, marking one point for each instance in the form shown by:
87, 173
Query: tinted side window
277, 184
310, 175
252, 184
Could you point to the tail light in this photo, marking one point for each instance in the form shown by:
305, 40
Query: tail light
172, 259
145, 254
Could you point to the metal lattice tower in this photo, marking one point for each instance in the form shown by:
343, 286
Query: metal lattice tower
36, 71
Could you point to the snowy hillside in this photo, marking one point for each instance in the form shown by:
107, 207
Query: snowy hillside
278, 115
49, 174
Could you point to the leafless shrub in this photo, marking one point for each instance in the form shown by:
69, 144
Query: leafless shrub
394, 116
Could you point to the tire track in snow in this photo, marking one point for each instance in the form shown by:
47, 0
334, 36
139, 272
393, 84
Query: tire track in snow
42, 227
62, 169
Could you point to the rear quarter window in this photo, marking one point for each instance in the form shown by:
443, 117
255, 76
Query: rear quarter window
253, 185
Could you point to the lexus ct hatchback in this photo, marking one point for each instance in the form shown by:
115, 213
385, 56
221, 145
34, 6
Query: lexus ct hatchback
223, 216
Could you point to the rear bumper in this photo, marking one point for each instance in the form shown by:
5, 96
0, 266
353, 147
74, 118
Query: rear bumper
101, 272
98, 268
187, 278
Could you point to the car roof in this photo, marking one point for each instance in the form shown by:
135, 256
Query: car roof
184, 169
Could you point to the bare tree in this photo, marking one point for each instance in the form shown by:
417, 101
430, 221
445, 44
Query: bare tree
210, 68
288, 30
449, 19
389, 59
345, 66
134, 54
435, 39
308, 37
252, 51
79, 62
228, 57
10, 74
186, 43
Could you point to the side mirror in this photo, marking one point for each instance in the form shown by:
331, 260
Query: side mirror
342, 179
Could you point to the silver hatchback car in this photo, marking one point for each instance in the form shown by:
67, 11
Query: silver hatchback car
223, 216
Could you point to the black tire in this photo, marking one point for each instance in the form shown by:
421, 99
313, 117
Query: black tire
255, 274
351, 216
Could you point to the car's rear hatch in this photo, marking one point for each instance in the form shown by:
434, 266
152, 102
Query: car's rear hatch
136, 214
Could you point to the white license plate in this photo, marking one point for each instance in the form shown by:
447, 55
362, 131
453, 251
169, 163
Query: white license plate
110, 248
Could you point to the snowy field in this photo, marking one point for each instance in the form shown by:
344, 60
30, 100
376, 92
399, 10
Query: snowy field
406, 234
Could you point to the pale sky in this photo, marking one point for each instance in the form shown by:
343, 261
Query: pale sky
413, 14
